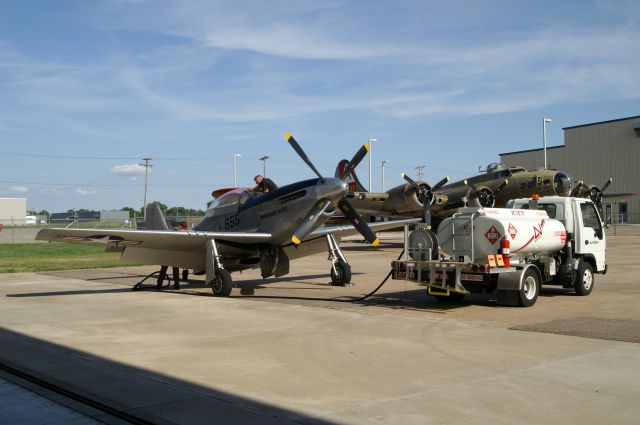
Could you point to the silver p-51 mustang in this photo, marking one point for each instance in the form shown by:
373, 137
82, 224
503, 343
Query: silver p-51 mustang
243, 230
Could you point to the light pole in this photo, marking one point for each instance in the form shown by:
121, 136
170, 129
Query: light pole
146, 166
419, 168
544, 139
264, 165
383, 164
370, 154
235, 169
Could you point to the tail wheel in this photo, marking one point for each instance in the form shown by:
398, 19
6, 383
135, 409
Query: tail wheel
341, 273
530, 288
583, 284
222, 283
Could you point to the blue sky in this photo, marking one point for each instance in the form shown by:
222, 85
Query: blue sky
89, 88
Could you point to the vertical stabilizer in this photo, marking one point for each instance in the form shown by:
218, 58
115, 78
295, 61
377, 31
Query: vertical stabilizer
155, 219
352, 179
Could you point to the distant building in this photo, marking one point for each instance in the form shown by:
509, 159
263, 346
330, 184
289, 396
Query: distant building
593, 153
13, 211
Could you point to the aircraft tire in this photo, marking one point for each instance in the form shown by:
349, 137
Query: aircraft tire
530, 288
342, 273
222, 283
583, 284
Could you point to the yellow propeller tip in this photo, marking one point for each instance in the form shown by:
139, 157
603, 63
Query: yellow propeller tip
466, 182
295, 240
366, 146
287, 135
376, 242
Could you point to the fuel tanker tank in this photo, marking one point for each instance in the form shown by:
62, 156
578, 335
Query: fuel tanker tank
478, 232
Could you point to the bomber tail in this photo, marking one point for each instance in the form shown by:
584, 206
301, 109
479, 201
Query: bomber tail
352, 179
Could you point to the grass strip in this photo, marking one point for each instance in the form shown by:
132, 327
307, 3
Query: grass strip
34, 257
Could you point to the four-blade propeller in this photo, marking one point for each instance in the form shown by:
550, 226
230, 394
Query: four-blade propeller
321, 206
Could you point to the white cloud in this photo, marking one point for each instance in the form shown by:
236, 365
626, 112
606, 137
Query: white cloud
128, 169
18, 189
85, 192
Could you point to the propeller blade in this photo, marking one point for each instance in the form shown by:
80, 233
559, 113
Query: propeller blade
296, 147
606, 185
409, 180
440, 184
576, 190
355, 161
474, 188
310, 220
501, 186
358, 222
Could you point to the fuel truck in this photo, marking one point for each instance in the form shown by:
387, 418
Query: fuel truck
551, 240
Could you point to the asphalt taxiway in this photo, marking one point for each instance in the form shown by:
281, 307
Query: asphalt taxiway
290, 350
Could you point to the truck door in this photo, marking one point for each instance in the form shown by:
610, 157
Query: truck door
591, 237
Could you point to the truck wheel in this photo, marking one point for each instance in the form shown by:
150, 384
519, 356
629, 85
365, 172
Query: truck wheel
530, 288
583, 284
222, 283
453, 297
342, 273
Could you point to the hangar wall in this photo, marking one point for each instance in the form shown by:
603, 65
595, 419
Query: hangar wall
13, 211
593, 153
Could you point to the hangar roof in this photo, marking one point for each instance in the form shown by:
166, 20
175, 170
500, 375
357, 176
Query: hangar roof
601, 122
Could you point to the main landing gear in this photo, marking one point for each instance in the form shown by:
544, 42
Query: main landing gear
217, 277
340, 268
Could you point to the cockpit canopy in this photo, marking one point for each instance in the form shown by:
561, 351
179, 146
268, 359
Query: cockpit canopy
235, 197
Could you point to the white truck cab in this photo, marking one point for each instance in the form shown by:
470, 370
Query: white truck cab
582, 220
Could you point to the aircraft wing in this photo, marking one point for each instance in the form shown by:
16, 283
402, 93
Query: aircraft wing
150, 239
348, 230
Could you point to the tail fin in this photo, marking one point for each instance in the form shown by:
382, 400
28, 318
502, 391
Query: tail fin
352, 179
155, 219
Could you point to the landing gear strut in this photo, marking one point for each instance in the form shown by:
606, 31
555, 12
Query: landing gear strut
217, 277
340, 268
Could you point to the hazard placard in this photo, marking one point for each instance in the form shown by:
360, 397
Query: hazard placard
493, 235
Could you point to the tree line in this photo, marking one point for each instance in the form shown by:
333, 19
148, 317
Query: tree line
133, 212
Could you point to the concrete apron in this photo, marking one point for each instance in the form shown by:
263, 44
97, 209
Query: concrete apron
180, 359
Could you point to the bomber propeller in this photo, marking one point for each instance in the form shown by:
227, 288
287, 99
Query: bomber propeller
486, 197
424, 193
321, 206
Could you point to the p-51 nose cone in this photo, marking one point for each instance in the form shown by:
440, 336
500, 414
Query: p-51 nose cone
331, 188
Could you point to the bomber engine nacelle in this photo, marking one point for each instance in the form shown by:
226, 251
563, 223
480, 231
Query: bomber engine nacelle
407, 197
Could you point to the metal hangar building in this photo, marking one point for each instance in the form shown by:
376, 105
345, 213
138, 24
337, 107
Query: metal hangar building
593, 153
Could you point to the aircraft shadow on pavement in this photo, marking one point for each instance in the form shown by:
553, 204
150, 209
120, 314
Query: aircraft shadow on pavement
148, 395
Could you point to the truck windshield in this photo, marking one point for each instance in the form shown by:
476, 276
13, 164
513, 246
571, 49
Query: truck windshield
549, 208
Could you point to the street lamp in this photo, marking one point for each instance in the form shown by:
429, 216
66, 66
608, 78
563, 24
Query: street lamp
146, 166
235, 169
544, 139
370, 153
264, 165
383, 163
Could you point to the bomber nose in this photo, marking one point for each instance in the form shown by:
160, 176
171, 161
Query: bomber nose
562, 184
331, 188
